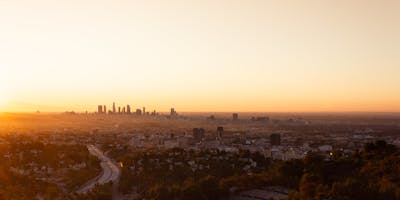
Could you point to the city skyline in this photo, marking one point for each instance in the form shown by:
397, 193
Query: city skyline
201, 56
200, 99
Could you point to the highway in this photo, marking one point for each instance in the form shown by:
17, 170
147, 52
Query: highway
111, 171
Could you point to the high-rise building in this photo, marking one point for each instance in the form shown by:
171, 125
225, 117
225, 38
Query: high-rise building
119, 109
275, 139
104, 109
144, 110
114, 110
173, 112
123, 110
220, 131
235, 116
212, 117
138, 112
99, 109
128, 109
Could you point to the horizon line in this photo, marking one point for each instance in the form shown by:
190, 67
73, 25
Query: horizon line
94, 112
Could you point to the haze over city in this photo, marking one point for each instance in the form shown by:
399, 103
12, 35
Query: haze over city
236, 56
200, 100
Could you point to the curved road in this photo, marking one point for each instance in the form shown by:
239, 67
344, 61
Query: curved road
111, 171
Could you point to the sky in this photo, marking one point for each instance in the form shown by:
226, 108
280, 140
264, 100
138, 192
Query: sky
208, 55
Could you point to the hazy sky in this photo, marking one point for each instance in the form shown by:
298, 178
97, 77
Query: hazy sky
298, 55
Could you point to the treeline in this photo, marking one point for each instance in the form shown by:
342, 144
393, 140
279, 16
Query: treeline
15, 186
33, 170
175, 167
370, 174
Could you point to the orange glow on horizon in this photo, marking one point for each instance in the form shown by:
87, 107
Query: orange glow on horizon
211, 56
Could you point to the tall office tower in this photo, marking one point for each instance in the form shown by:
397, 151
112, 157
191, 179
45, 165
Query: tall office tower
275, 139
128, 109
235, 116
173, 112
144, 110
119, 109
138, 112
220, 131
99, 109
114, 110
123, 110
104, 109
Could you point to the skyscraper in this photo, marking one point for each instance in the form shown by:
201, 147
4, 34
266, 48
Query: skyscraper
173, 112
104, 109
114, 110
128, 109
99, 109
119, 109
144, 110
220, 131
235, 116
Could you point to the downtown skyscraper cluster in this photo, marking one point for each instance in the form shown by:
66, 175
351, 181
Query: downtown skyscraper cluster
102, 109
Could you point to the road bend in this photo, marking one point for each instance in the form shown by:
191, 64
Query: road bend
110, 172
